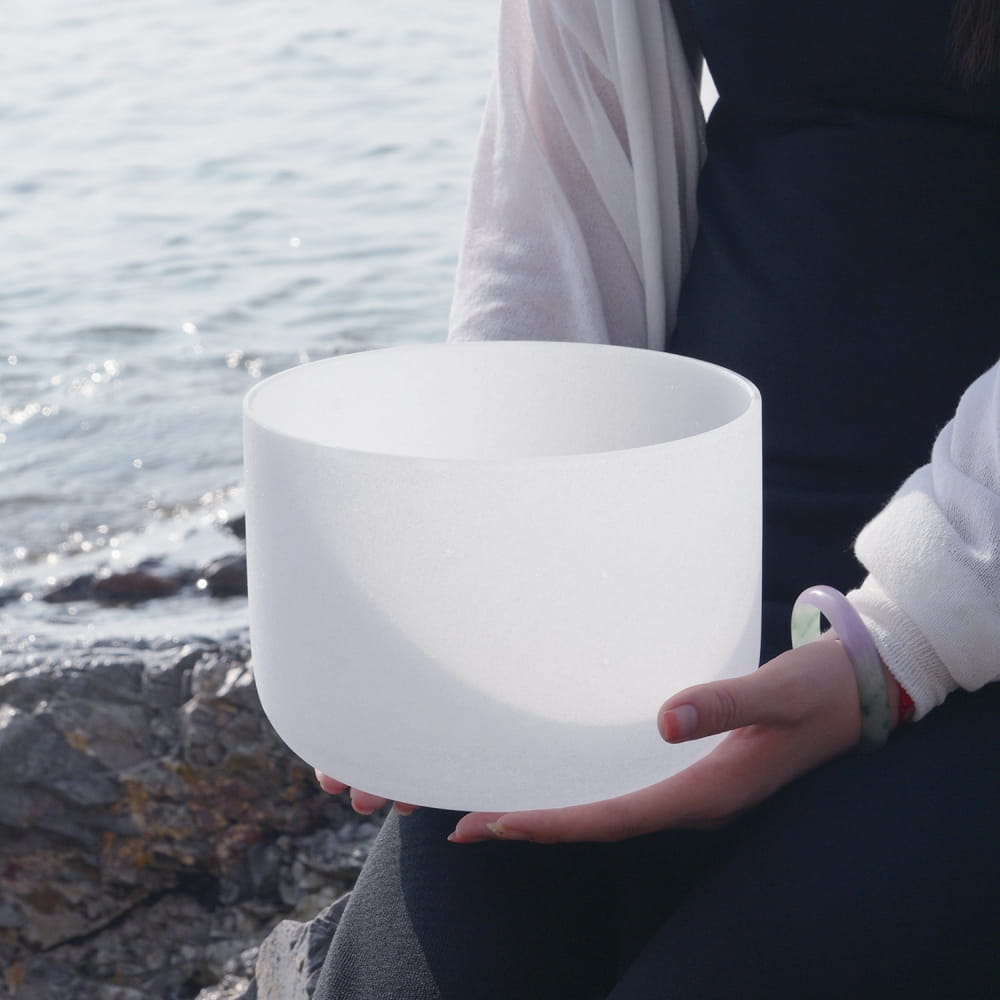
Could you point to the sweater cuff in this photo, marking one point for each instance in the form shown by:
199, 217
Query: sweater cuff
910, 658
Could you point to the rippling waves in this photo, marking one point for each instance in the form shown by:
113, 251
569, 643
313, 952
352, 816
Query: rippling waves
200, 194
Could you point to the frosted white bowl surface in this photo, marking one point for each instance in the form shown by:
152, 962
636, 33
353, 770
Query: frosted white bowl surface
477, 570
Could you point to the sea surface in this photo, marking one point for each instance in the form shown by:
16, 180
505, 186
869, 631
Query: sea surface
195, 194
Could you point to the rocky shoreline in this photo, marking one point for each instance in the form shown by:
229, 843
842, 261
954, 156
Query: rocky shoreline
148, 581
154, 831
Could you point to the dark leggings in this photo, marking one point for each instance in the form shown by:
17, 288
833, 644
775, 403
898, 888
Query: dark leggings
875, 876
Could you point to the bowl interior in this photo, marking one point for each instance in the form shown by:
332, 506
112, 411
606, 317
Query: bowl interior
500, 401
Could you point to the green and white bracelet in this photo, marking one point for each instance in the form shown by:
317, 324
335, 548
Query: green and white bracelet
850, 630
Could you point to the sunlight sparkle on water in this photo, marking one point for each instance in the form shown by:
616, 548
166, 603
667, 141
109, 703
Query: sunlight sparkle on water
18, 417
182, 202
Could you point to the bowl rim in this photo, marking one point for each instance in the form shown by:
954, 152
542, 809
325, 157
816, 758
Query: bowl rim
253, 424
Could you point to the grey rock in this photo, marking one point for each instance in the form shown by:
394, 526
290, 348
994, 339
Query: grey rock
135, 587
153, 828
227, 577
166, 683
104, 673
291, 958
79, 589
230, 988
238, 526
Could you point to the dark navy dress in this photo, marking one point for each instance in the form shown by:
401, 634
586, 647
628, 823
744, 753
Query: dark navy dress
848, 262
848, 257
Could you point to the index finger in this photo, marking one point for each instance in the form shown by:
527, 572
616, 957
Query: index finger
610, 820
330, 785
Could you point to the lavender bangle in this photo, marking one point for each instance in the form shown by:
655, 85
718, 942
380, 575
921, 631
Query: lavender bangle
861, 651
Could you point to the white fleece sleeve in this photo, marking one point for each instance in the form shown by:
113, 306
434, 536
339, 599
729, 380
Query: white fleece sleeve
581, 214
932, 597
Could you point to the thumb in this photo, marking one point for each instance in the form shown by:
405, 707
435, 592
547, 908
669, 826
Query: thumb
758, 698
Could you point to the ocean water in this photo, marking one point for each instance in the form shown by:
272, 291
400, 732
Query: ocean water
195, 195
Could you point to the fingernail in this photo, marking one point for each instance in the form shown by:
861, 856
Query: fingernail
475, 834
404, 810
501, 831
680, 723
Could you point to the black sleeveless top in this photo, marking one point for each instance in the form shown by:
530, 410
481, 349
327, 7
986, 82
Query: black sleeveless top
848, 256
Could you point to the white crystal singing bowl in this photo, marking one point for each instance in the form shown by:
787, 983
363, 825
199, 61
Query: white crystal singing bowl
477, 570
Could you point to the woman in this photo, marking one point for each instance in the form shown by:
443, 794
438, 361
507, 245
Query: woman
848, 213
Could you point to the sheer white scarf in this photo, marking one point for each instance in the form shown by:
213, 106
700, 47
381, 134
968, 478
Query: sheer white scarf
582, 209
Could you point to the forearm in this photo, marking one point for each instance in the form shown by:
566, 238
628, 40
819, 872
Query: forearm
932, 598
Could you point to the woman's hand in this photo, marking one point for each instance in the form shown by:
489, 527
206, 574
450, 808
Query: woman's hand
361, 802
796, 712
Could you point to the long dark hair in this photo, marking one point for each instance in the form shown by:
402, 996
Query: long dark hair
974, 45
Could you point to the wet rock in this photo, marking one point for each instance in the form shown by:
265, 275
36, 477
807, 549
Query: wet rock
8, 595
238, 526
227, 577
134, 588
80, 589
153, 828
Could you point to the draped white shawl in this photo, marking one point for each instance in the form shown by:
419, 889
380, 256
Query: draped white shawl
582, 212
